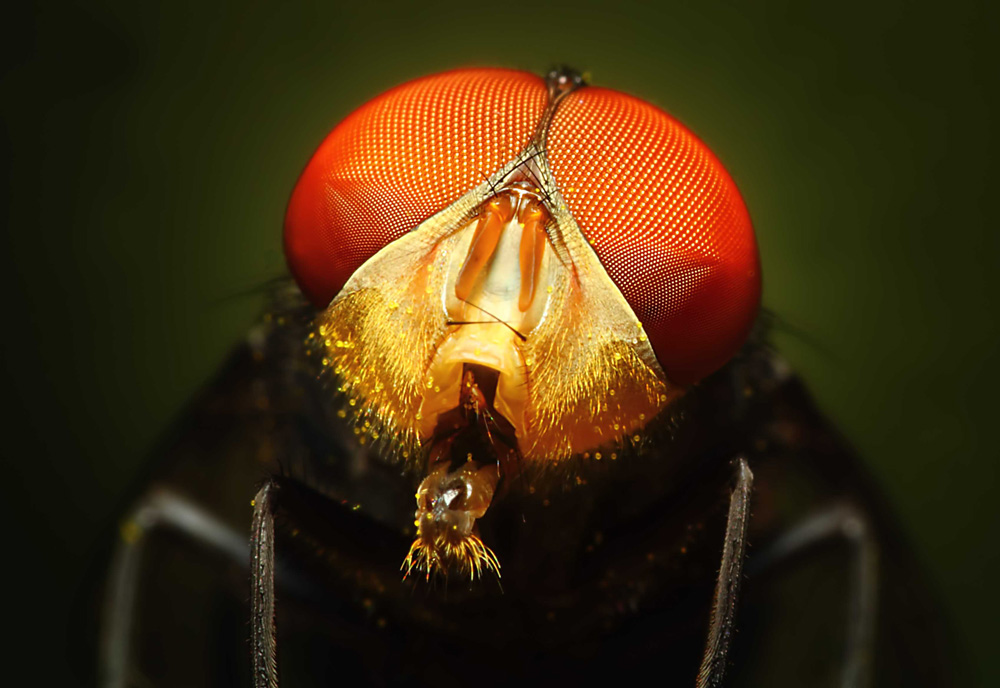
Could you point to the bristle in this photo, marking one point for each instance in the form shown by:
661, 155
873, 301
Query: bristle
469, 557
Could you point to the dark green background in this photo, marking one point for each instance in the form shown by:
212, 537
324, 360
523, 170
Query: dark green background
149, 154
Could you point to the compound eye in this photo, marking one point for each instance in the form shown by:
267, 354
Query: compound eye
398, 160
666, 222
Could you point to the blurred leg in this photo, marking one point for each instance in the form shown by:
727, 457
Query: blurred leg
159, 508
840, 522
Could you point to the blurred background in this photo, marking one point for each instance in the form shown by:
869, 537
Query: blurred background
149, 151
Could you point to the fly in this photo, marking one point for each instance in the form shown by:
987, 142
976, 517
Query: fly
520, 342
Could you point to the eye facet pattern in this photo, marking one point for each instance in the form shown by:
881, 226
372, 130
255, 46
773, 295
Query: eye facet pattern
398, 160
666, 221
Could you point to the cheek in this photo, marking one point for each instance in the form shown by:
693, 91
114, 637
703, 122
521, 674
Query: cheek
667, 223
397, 161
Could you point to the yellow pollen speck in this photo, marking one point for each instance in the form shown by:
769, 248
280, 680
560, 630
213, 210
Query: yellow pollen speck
341, 413
322, 330
618, 356
597, 456
642, 416
393, 305
549, 289
352, 402
130, 531
614, 456
642, 337
636, 438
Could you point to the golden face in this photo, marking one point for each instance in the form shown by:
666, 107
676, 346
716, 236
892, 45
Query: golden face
576, 370
496, 314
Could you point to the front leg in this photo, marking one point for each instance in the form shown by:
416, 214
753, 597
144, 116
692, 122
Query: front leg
727, 588
263, 632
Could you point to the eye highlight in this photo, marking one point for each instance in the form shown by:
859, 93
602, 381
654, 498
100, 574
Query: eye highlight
666, 222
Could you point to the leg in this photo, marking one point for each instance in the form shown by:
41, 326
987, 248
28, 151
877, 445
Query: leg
158, 508
263, 632
727, 588
847, 522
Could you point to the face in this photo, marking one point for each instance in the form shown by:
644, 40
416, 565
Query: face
513, 271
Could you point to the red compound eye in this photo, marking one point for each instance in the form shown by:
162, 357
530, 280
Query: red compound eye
665, 220
662, 214
398, 160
